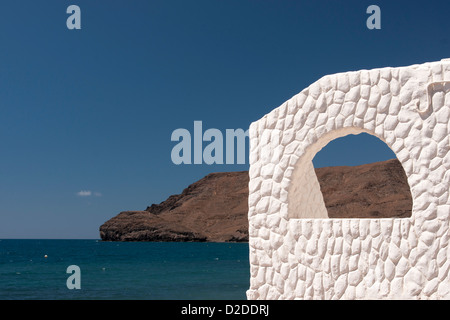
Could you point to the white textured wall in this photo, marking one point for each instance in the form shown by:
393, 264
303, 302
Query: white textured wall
296, 252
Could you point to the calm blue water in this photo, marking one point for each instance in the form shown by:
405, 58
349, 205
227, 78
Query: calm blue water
123, 270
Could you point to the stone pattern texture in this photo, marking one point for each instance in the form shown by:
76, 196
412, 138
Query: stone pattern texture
296, 252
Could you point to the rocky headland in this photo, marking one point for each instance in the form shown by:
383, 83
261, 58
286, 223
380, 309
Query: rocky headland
215, 208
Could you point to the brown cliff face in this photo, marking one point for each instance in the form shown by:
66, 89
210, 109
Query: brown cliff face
375, 190
215, 208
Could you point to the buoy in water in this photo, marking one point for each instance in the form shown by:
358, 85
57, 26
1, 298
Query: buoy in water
45, 256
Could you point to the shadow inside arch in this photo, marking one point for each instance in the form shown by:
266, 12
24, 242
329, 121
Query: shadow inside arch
376, 189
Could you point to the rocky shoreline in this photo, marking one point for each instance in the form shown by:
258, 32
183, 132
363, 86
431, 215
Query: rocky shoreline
215, 208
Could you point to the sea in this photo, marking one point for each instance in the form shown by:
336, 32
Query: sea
40, 270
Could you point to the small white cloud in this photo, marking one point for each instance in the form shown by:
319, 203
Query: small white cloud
97, 194
84, 193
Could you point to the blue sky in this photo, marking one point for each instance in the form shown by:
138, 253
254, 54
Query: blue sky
94, 109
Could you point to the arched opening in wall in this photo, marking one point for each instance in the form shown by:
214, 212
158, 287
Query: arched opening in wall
360, 177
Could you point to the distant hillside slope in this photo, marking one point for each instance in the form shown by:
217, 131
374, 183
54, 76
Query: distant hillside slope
215, 208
